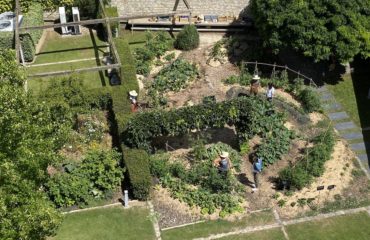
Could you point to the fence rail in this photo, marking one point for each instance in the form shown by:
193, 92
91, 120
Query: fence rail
299, 75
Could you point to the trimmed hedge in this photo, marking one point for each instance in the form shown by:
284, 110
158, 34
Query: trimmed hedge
136, 161
28, 39
188, 38
248, 114
137, 164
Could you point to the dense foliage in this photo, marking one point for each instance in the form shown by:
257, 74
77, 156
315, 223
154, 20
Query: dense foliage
137, 164
188, 38
311, 165
305, 94
27, 143
10, 73
155, 46
99, 173
249, 115
212, 190
318, 29
28, 39
175, 76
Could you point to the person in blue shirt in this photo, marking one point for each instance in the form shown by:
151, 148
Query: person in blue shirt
257, 169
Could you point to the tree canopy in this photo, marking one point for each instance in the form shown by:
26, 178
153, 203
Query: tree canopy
317, 28
27, 148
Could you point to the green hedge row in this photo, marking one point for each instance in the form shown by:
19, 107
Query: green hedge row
28, 39
137, 165
312, 163
248, 114
136, 161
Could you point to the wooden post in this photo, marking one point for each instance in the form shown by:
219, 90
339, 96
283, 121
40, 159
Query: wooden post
16, 31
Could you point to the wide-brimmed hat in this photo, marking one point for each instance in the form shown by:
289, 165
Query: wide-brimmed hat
133, 93
224, 154
256, 77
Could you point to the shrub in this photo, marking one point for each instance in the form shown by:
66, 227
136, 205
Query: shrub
33, 17
310, 100
98, 174
312, 163
155, 46
137, 164
88, 8
175, 76
188, 38
247, 114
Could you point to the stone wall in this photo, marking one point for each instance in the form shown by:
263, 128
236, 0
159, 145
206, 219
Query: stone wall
217, 7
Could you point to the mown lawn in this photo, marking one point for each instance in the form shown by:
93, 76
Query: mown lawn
219, 226
348, 227
108, 224
63, 66
273, 234
57, 48
91, 80
352, 100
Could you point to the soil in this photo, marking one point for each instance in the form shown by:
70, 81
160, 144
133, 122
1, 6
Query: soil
171, 211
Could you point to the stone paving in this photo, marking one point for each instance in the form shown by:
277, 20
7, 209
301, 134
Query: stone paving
346, 128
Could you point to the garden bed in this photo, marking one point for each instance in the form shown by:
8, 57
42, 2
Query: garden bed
303, 117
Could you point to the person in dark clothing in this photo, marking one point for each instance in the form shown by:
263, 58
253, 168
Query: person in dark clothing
223, 163
257, 169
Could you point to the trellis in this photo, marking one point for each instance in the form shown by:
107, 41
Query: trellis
105, 20
308, 80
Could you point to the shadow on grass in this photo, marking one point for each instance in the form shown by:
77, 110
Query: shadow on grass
96, 52
361, 84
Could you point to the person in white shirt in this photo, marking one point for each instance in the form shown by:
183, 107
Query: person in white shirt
270, 92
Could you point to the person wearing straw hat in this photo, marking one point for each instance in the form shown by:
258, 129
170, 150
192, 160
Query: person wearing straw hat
223, 162
133, 98
255, 84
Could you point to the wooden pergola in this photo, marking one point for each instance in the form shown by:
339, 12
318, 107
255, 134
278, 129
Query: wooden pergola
105, 20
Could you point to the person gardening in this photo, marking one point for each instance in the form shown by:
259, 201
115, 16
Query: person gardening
257, 169
133, 99
255, 84
223, 162
270, 92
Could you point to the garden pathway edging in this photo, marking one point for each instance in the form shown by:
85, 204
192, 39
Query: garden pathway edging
351, 131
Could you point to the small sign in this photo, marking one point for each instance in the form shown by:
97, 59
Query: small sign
330, 187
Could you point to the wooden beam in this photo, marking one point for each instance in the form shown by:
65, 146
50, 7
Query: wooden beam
187, 4
16, 31
91, 69
176, 5
102, 20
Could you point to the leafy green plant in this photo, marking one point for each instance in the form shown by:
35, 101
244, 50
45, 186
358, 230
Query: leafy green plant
170, 57
98, 174
244, 148
310, 100
188, 38
155, 46
217, 52
281, 203
175, 76
312, 163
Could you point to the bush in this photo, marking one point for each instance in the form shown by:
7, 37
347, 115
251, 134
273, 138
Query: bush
312, 163
310, 100
175, 76
34, 17
155, 46
137, 164
188, 38
98, 174
247, 114
88, 8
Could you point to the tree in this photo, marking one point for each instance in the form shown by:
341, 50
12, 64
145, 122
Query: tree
317, 28
27, 148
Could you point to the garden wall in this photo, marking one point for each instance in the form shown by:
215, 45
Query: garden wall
219, 7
